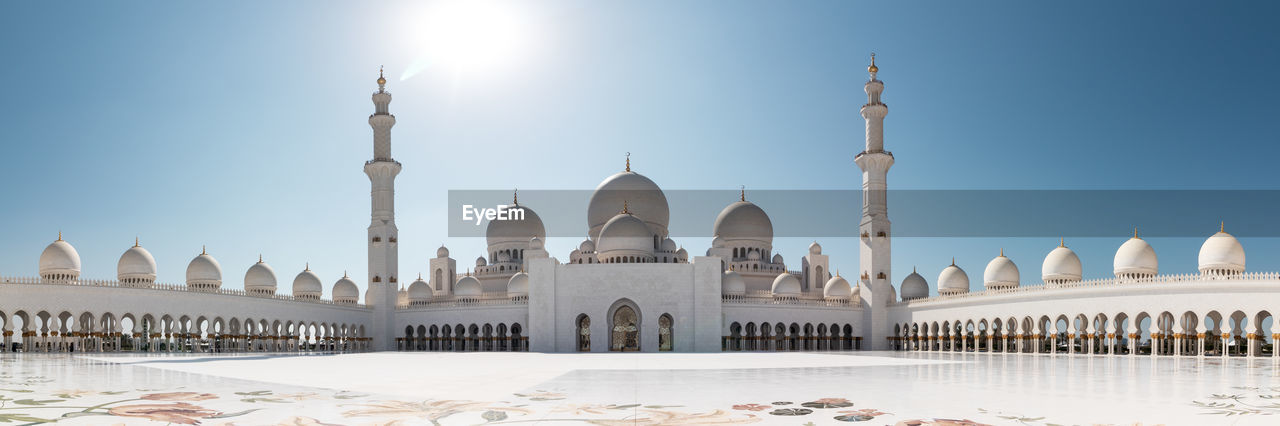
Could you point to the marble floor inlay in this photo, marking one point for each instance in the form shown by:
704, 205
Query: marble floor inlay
399, 388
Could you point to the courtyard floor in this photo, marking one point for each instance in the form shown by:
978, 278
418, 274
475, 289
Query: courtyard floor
790, 388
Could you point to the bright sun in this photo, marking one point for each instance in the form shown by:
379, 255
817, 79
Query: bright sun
472, 36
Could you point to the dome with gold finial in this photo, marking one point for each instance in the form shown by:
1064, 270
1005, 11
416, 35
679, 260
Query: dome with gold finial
382, 81
873, 68
59, 261
1221, 254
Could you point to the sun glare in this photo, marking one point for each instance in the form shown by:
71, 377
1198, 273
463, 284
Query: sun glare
472, 36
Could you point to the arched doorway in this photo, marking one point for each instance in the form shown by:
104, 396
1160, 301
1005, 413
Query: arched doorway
664, 334
584, 333
624, 330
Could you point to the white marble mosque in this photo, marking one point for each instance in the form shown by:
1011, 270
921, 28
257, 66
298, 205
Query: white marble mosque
629, 287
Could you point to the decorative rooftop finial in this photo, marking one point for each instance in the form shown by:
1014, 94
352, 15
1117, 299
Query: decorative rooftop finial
419, 275
135, 241
625, 210
382, 81
1001, 251
873, 69
628, 161
308, 267
59, 235
515, 196
913, 269
344, 274
468, 272
202, 249
1135, 232
742, 194
1062, 242
953, 261
1222, 226
259, 257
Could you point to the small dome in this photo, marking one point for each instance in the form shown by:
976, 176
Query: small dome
815, 248
480, 261
732, 284
837, 288
625, 232
60, 261
717, 242
1061, 265
644, 198
442, 252
518, 285
204, 272
743, 221
682, 254
914, 286
367, 299
587, 246
786, 285
753, 255
136, 266
402, 297
307, 284
669, 245
777, 259
419, 292
515, 229
1000, 273
535, 243
953, 280
1136, 259
345, 291
260, 279
468, 286
1221, 254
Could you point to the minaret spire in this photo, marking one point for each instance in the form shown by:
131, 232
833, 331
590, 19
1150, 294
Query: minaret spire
874, 251
382, 238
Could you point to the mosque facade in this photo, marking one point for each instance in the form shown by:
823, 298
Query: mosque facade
629, 287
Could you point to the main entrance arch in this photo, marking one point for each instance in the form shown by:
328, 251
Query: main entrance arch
624, 327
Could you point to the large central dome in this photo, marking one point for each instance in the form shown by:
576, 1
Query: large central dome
643, 198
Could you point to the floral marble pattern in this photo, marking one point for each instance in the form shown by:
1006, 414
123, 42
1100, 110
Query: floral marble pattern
72, 390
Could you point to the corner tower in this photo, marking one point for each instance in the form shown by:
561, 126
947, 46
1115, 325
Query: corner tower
382, 239
873, 229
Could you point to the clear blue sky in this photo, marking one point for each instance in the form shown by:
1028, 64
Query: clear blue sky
243, 126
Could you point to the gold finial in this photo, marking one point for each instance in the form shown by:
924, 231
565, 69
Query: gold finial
308, 267
135, 241
419, 275
59, 235
382, 81
1001, 251
628, 161
625, 210
953, 261
837, 272
742, 193
344, 274
1062, 242
1222, 226
515, 196
873, 68
913, 269
202, 251
1135, 232
259, 257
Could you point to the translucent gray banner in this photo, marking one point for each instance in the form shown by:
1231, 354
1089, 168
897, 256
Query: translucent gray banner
917, 213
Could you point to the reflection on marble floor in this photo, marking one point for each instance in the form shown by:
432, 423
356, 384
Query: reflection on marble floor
627, 389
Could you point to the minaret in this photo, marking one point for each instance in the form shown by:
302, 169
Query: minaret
874, 280
383, 258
